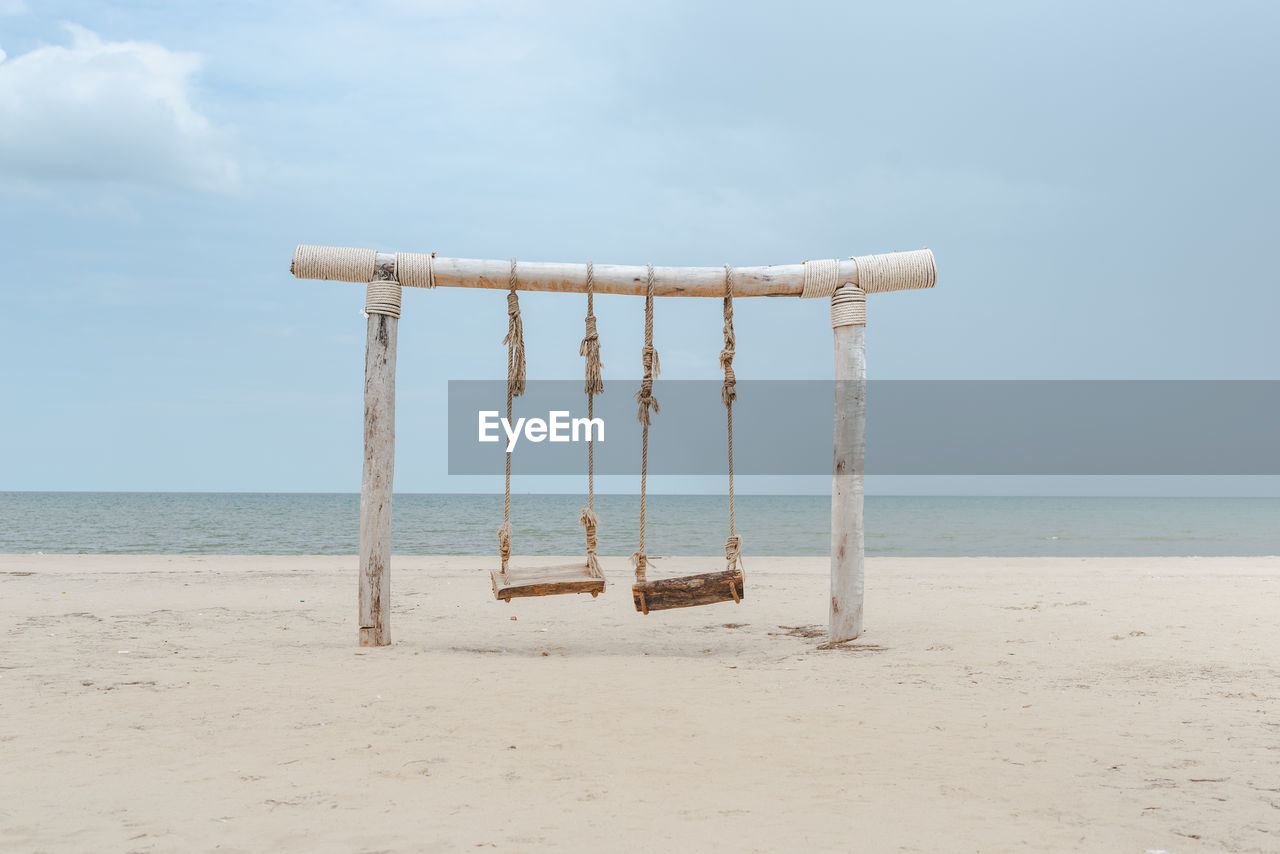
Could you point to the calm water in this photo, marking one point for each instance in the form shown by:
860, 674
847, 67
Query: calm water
229, 523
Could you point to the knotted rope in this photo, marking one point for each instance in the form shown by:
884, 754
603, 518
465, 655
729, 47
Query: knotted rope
728, 394
821, 278
515, 387
648, 405
849, 307
649, 356
514, 342
590, 349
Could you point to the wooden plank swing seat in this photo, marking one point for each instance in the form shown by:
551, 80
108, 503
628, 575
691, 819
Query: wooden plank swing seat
519, 581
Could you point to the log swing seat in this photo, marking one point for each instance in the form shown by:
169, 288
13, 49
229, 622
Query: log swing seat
512, 582
706, 588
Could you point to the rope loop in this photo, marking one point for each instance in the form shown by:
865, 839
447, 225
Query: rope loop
504, 541
639, 561
588, 520
733, 551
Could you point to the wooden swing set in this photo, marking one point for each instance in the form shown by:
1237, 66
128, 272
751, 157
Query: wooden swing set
845, 281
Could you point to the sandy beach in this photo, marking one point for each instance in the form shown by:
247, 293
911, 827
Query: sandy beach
993, 705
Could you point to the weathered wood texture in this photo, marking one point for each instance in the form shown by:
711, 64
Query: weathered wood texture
846, 482
778, 280
375, 487
546, 581
689, 590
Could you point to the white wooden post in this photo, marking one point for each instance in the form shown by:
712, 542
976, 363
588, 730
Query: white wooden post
383, 307
848, 326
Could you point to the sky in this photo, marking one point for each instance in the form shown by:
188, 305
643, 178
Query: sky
1097, 181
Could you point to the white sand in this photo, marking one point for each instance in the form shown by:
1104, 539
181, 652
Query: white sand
995, 705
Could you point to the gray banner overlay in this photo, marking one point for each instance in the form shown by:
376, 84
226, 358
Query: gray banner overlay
914, 427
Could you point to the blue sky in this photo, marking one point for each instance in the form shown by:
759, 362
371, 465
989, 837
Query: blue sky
1097, 180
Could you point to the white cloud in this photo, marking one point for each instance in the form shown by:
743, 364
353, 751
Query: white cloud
116, 112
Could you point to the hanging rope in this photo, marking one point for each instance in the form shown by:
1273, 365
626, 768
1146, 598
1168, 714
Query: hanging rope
590, 349
515, 388
648, 405
728, 394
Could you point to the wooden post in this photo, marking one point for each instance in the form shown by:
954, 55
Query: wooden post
848, 321
379, 458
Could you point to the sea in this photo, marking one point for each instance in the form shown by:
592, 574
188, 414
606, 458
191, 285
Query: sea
328, 524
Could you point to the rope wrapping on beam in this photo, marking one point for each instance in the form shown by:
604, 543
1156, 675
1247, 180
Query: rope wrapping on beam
416, 269
849, 307
896, 271
335, 263
821, 278
382, 297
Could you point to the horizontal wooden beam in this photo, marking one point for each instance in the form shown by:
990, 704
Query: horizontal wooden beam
359, 265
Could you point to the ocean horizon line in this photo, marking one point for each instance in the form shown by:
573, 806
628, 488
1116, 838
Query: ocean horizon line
738, 493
